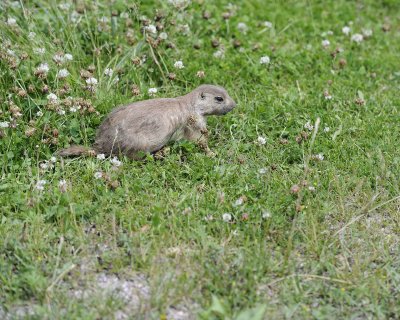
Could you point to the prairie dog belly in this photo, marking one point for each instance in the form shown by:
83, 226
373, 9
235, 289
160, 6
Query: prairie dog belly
179, 134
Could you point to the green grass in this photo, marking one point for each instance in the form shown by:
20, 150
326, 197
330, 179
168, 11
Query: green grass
331, 253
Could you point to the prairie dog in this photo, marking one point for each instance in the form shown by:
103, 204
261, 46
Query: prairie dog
147, 126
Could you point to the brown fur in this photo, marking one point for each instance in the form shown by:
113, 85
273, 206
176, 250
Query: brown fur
147, 126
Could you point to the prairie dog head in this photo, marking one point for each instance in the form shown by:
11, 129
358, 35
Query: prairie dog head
212, 100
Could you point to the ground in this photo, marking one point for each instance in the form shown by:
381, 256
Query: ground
296, 216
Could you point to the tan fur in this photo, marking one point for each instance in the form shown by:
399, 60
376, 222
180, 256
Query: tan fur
76, 151
147, 126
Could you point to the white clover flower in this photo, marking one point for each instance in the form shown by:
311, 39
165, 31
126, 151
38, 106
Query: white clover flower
52, 97
98, 175
262, 171
101, 156
11, 22
358, 38
108, 72
367, 33
58, 58
114, 161
75, 16
346, 30
238, 202
261, 140
11, 52
62, 184
327, 129
31, 35
265, 60
227, 217
242, 27
61, 112
200, 74
187, 211
44, 165
64, 6
4, 124
124, 15
39, 50
63, 73
179, 3
39, 113
179, 65
185, 29
151, 29
327, 96
40, 185
91, 81
152, 91
308, 126
17, 114
163, 36
68, 57
311, 188
43, 68
219, 54
103, 19
325, 43
319, 157
327, 33
267, 24
53, 159
266, 214
73, 109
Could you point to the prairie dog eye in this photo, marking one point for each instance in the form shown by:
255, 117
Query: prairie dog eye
219, 99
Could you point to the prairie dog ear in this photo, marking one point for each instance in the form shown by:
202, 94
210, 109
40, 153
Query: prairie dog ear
202, 95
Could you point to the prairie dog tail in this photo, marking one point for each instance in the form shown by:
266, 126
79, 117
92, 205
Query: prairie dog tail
75, 151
